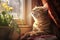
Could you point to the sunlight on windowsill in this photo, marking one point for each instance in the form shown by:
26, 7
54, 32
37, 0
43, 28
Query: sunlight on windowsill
21, 23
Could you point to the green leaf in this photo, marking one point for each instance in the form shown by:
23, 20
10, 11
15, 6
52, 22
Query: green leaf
3, 12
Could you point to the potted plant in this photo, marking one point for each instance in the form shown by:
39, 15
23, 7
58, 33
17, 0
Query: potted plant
7, 25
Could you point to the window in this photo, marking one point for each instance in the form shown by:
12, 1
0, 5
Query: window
22, 10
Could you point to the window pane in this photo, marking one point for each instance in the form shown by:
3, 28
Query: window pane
16, 7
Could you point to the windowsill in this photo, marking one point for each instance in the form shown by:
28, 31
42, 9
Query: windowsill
22, 25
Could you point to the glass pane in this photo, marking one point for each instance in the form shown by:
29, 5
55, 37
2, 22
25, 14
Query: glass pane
16, 7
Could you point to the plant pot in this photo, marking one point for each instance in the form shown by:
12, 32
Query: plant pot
4, 32
7, 33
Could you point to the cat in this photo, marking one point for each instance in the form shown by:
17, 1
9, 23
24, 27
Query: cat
41, 20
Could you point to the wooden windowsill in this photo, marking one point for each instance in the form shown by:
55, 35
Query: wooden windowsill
24, 26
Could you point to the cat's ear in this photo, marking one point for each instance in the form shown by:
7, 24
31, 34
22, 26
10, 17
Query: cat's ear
34, 8
45, 7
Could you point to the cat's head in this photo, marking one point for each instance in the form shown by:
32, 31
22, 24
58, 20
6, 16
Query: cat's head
37, 11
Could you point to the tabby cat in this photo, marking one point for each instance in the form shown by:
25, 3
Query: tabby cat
42, 21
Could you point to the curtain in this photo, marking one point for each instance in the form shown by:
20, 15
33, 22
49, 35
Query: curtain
54, 11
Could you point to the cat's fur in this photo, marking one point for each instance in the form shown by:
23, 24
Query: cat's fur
42, 21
